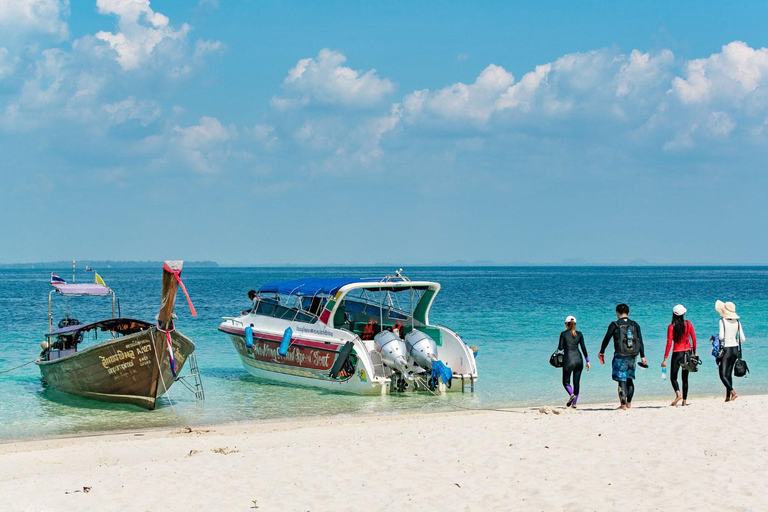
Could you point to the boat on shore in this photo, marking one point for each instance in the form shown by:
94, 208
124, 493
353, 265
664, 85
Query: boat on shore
136, 364
366, 336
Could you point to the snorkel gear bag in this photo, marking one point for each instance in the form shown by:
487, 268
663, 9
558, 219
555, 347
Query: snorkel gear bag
691, 362
740, 368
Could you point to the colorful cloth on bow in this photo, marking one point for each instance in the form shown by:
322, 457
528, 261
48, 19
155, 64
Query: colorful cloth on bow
623, 368
171, 359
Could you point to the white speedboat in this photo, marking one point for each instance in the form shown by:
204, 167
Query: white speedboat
368, 336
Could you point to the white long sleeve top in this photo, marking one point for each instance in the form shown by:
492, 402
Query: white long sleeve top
728, 330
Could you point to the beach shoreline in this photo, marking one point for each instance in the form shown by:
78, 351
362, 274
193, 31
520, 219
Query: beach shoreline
441, 409
592, 458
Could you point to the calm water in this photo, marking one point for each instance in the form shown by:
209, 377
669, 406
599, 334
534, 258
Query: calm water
513, 314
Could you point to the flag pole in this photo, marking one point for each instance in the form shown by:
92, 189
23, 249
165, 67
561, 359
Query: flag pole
73, 271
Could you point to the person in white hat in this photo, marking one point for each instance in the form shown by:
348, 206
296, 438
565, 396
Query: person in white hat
680, 333
570, 342
731, 336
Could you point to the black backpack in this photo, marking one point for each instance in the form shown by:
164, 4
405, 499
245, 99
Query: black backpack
629, 341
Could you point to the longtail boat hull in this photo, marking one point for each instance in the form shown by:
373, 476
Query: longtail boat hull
133, 369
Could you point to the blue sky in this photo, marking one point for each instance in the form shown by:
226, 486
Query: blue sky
360, 132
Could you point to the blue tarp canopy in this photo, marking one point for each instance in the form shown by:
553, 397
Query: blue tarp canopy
312, 286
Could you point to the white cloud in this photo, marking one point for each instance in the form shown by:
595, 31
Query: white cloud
474, 102
143, 111
731, 75
522, 93
325, 80
141, 31
204, 146
265, 134
7, 63
20, 17
642, 71
203, 48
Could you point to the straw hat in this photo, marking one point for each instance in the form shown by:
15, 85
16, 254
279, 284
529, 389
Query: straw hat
727, 310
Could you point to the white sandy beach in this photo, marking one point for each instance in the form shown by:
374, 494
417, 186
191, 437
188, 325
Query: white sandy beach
654, 457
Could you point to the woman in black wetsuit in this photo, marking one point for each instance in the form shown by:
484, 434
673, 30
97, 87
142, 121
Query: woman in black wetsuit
570, 341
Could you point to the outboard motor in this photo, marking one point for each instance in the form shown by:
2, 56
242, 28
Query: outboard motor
421, 348
392, 350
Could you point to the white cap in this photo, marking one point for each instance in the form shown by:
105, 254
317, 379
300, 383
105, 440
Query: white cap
679, 310
570, 318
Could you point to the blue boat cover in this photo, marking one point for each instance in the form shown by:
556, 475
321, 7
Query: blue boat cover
312, 286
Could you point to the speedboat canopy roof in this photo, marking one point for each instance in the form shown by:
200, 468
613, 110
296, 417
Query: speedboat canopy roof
82, 289
312, 286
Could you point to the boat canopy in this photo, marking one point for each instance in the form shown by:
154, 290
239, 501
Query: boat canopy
82, 289
312, 286
119, 325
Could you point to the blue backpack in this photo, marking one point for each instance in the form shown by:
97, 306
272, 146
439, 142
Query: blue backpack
716, 343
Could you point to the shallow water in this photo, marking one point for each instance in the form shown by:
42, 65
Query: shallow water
513, 314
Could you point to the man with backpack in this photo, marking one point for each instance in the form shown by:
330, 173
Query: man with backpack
627, 345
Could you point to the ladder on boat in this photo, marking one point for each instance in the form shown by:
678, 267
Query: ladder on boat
192, 381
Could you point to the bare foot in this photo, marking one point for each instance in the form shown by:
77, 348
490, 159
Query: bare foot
734, 396
728, 399
629, 405
684, 404
677, 399
621, 408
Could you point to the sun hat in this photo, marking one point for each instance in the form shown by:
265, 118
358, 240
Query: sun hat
726, 310
679, 310
570, 318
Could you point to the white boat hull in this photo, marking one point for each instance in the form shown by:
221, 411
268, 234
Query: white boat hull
305, 365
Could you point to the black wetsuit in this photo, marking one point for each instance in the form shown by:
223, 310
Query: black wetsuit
730, 355
573, 364
677, 360
627, 387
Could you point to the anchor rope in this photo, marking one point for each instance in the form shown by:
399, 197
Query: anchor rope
17, 367
162, 379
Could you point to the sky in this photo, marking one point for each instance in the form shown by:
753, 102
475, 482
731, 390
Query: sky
266, 132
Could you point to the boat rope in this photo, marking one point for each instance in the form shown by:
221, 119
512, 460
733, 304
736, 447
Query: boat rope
162, 379
17, 367
477, 409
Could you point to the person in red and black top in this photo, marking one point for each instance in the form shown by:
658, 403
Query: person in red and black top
680, 334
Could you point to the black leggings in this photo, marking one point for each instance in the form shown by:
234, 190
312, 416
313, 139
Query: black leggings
730, 355
574, 369
677, 360
626, 391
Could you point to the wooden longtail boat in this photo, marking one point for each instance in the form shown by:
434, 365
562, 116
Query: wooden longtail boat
133, 366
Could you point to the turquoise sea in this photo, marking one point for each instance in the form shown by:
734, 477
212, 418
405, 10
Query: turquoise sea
513, 314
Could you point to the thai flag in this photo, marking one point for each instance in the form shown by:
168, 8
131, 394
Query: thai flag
56, 280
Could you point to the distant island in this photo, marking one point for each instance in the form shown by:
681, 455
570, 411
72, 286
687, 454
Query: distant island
102, 264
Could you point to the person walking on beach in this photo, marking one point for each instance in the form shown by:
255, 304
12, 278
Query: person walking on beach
731, 337
680, 333
571, 341
627, 344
